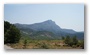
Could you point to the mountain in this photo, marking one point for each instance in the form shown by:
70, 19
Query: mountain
69, 31
46, 30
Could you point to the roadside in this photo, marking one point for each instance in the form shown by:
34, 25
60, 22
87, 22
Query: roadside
7, 47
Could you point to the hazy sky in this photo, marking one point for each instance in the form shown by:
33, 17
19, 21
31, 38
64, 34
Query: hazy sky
69, 16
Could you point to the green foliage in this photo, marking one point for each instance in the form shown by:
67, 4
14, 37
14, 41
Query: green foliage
25, 43
44, 46
11, 34
67, 39
74, 40
74, 46
6, 26
71, 41
81, 44
63, 38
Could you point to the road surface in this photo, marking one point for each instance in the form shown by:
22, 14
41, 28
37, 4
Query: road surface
7, 47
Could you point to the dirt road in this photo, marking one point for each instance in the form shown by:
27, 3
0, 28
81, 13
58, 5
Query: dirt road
7, 47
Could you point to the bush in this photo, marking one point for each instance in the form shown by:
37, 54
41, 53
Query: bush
82, 44
44, 46
25, 44
74, 46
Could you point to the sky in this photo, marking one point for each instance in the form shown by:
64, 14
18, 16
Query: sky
66, 16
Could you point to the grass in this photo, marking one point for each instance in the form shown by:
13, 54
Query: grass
42, 44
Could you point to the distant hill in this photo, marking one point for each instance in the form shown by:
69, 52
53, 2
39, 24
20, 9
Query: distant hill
47, 30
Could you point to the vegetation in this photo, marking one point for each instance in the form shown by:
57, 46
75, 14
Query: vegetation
63, 37
11, 33
20, 40
43, 44
25, 44
71, 41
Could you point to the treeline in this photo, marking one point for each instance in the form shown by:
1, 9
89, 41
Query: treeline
73, 41
11, 33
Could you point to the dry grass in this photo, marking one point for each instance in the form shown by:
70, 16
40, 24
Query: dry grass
42, 44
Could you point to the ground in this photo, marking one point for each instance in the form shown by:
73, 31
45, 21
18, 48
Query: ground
7, 47
41, 44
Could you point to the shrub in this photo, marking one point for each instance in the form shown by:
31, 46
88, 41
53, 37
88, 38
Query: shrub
74, 46
25, 44
44, 46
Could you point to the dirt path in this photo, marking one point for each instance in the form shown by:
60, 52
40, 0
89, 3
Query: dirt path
7, 47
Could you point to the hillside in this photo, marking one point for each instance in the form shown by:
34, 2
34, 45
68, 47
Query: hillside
47, 30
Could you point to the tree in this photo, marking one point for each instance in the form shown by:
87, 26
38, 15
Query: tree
25, 44
75, 40
70, 42
63, 38
67, 39
6, 26
12, 34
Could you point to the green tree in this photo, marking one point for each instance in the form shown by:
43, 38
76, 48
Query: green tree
70, 42
12, 34
75, 40
67, 39
63, 38
6, 26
